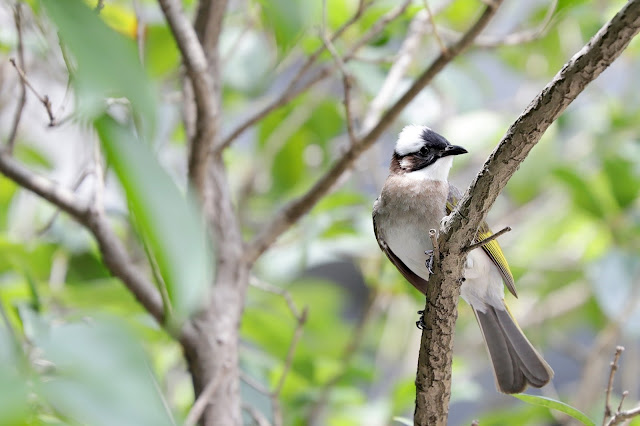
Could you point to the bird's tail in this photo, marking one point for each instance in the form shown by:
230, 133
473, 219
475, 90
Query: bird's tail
515, 361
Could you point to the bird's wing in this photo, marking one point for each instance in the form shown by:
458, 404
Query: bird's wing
492, 248
408, 274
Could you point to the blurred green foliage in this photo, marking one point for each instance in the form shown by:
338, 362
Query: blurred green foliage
76, 348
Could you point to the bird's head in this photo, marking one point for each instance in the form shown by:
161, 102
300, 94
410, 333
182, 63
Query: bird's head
421, 151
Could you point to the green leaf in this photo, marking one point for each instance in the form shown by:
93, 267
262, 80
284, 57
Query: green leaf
107, 62
168, 219
581, 190
287, 19
556, 405
161, 53
623, 180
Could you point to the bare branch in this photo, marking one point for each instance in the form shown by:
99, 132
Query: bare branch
401, 62
203, 400
513, 39
258, 418
487, 240
85, 173
434, 364
293, 211
301, 319
22, 99
265, 286
197, 67
443, 47
346, 76
357, 336
612, 372
294, 89
44, 99
621, 416
113, 251
49, 190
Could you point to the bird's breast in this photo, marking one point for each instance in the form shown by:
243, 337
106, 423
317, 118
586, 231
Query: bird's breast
406, 211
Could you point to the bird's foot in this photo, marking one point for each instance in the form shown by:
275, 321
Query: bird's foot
420, 323
429, 261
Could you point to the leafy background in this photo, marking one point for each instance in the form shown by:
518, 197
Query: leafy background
75, 348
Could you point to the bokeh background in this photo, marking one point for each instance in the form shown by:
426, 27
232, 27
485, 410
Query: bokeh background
573, 207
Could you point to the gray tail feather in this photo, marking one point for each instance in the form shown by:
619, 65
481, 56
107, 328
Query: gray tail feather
515, 361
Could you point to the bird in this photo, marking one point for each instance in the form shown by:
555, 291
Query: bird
415, 197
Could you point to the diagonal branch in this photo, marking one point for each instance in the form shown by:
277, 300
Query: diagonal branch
293, 211
113, 251
294, 89
433, 380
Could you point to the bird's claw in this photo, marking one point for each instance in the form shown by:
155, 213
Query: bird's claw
420, 323
429, 261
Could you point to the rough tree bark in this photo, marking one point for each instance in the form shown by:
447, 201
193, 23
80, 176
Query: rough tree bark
433, 380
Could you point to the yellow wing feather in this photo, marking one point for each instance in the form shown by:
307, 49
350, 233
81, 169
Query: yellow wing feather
492, 248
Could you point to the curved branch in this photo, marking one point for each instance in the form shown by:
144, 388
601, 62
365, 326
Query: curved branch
113, 251
293, 211
433, 380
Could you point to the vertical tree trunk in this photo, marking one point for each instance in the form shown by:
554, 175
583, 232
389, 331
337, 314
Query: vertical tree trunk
212, 350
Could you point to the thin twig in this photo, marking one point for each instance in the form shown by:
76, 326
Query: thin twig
624, 415
265, 286
443, 47
99, 6
294, 89
357, 336
203, 400
301, 319
292, 348
44, 100
486, 240
254, 383
513, 39
47, 226
622, 398
275, 403
17, 16
612, 372
346, 75
258, 418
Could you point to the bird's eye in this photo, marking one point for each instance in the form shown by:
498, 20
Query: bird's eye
424, 150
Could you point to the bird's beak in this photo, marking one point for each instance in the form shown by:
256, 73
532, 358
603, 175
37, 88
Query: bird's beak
453, 150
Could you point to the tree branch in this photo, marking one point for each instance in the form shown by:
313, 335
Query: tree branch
113, 251
17, 17
433, 378
294, 89
293, 211
197, 67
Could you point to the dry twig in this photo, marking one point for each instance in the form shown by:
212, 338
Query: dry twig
44, 99
22, 99
346, 75
486, 240
612, 372
610, 418
294, 89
